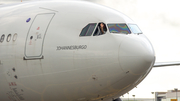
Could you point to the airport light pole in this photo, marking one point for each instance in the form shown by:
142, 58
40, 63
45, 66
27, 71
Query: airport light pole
153, 95
134, 97
128, 96
176, 92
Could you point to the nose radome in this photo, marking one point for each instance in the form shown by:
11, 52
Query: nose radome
136, 55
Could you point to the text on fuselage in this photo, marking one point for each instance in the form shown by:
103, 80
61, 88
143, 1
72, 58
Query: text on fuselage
73, 47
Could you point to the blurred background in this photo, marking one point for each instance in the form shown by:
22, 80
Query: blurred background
159, 21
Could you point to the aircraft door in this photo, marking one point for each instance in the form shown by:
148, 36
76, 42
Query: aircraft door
36, 35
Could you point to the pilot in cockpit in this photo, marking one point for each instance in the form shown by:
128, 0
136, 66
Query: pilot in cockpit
102, 28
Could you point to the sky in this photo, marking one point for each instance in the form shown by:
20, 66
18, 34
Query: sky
159, 21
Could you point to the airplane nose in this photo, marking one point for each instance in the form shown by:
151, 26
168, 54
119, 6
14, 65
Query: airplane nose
136, 55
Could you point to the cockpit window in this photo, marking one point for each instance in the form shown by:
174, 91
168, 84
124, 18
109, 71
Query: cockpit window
88, 30
135, 29
100, 29
118, 28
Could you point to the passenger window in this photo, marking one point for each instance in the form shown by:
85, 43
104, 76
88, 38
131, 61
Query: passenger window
15, 37
88, 30
2, 38
100, 30
119, 28
8, 38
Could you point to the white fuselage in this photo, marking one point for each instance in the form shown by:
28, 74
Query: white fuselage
44, 58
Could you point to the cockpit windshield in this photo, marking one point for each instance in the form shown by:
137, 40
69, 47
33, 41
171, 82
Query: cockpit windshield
118, 28
135, 29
